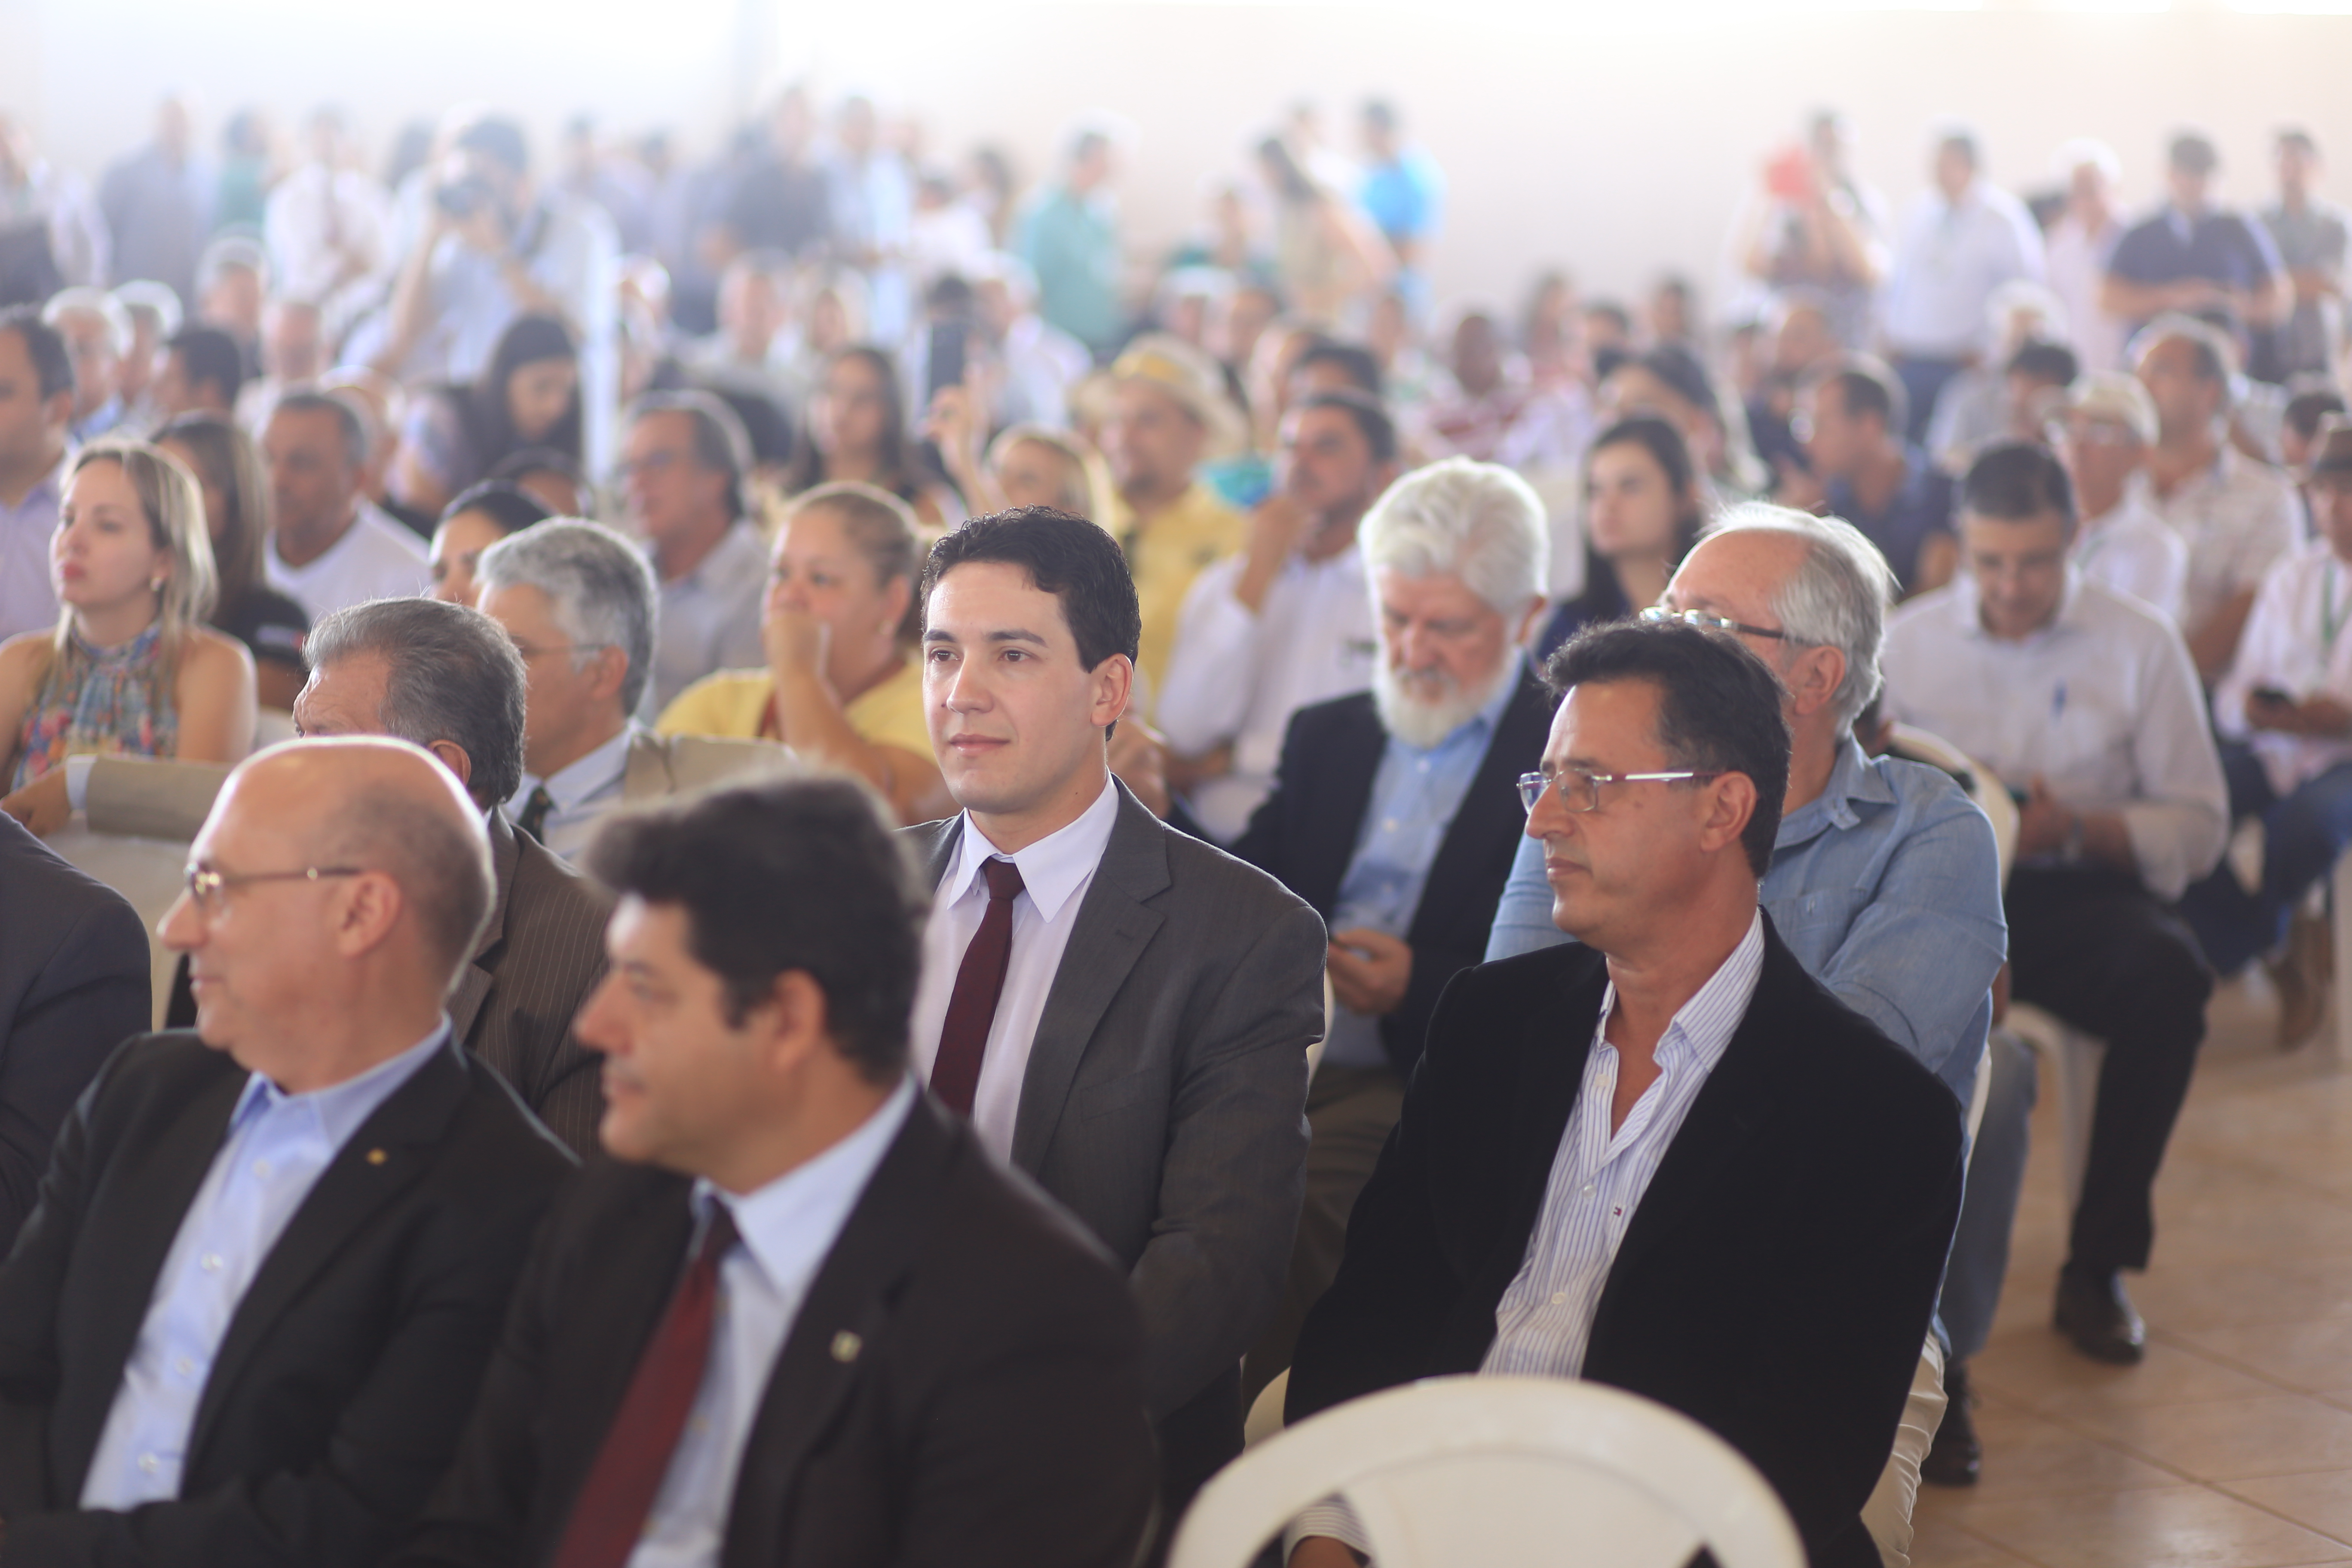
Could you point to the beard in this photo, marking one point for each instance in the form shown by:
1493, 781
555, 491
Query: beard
1421, 712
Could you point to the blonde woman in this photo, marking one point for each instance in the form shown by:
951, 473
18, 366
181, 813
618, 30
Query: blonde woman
842, 686
131, 669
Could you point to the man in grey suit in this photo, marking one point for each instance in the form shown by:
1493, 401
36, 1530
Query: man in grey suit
1123, 1011
447, 678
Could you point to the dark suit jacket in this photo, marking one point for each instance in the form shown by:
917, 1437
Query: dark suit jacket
1165, 1100
76, 981
1305, 835
1776, 1281
988, 1409
513, 1007
344, 1380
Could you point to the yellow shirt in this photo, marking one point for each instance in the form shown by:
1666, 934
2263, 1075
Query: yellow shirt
733, 705
1165, 554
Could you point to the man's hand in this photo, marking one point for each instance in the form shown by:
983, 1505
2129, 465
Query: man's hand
1322, 1551
1370, 971
796, 642
1277, 525
1138, 755
2043, 824
2321, 718
42, 805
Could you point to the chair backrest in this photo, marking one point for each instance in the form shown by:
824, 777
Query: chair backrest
272, 725
147, 872
1505, 1472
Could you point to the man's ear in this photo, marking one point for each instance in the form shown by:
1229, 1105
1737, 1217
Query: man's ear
1731, 806
1114, 686
1814, 679
612, 670
453, 757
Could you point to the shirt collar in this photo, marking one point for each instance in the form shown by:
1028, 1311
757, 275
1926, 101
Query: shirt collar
793, 1220
1852, 779
1052, 868
341, 1108
1703, 1026
1964, 602
577, 782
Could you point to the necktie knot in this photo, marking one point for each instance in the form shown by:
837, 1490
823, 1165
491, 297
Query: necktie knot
1003, 879
535, 811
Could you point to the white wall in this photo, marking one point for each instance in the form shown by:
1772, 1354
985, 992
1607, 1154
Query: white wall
1613, 139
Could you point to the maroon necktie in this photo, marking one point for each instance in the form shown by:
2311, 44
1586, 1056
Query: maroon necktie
971, 1009
619, 1492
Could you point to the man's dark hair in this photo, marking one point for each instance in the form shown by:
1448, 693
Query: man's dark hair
720, 442
2013, 480
2192, 152
1353, 361
2304, 410
1380, 114
1718, 707
2053, 363
1370, 419
500, 140
794, 874
1611, 312
43, 346
1866, 387
509, 505
2296, 137
347, 420
1068, 557
1964, 142
210, 356
452, 673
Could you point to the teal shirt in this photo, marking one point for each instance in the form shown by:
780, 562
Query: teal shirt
1072, 244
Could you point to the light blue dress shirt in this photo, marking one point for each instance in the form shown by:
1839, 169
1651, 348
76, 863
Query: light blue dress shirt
28, 602
277, 1148
1414, 796
787, 1228
584, 793
1886, 887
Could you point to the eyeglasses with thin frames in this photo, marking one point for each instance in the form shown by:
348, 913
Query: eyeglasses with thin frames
207, 887
1707, 620
1581, 791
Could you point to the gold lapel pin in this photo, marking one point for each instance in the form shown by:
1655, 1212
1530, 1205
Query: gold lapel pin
377, 1156
845, 1346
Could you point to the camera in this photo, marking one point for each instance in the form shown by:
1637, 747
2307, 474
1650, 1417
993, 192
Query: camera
462, 198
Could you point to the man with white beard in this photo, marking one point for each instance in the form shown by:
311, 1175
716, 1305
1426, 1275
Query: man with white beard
1395, 812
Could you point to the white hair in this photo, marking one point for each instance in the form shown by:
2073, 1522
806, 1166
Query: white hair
1479, 521
1837, 598
96, 302
2083, 151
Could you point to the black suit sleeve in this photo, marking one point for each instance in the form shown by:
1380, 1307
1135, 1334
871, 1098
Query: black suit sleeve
1264, 842
1377, 1325
1403, 1031
95, 991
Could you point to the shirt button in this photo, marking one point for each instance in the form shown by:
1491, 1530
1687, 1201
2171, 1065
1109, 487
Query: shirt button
1588, 1189
185, 1366
214, 1263
150, 1463
261, 1168
1560, 1300
1387, 824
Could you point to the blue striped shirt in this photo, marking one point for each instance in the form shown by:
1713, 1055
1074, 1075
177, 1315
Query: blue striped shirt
1544, 1322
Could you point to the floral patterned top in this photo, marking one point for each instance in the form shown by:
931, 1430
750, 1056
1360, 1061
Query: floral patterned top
109, 703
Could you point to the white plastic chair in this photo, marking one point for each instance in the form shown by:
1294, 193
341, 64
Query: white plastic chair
1505, 1472
2339, 913
271, 726
149, 872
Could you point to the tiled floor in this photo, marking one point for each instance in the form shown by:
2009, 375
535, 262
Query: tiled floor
2231, 1447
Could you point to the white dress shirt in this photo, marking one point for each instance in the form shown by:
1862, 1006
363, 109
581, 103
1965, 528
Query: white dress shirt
376, 558
583, 792
2077, 262
709, 617
2130, 549
1238, 677
2102, 702
1950, 257
1055, 873
1544, 1322
787, 1229
2294, 641
2237, 518
276, 1147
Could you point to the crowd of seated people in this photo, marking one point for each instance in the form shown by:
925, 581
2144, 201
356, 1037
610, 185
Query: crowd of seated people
850, 729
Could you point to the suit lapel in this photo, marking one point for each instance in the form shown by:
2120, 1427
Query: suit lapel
1115, 924
1348, 772
474, 983
1490, 811
390, 1152
842, 1324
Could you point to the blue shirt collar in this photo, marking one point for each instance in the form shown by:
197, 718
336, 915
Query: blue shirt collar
1852, 779
342, 1108
801, 1211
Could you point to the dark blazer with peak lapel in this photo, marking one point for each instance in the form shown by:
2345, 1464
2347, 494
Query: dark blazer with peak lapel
542, 954
1304, 834
1165, 1100
1775, 1283
346, 1373
77, 979
962, 1384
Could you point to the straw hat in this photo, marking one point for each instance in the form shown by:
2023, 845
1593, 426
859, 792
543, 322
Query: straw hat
1191, 377
2117, 397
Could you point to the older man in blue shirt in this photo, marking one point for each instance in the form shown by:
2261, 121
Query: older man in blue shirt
1885, 880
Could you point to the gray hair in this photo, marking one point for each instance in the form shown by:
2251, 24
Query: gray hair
1478, 519
452, 673
721, 444
1837, 598
97, 302
599, 588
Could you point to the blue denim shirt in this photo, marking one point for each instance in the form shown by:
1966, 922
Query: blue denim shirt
1887, 889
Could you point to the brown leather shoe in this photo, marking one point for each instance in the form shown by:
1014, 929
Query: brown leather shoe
2300, 976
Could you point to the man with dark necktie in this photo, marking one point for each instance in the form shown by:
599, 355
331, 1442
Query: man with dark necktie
1122, 1011
802, 1317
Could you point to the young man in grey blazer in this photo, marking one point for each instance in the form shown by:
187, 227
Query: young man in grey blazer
1121, 1010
